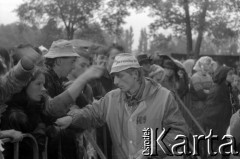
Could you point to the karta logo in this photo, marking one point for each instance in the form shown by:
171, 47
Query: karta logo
153, 143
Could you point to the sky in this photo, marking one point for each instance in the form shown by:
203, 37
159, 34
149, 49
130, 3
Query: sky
137, 21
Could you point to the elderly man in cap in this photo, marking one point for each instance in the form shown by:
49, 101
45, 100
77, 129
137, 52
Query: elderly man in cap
138, 103
60, 61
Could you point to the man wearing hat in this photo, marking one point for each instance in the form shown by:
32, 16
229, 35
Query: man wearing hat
145, 62
138, 103
60, 61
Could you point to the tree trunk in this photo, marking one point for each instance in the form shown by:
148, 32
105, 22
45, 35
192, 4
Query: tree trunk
188, 28
70, 33
201, 28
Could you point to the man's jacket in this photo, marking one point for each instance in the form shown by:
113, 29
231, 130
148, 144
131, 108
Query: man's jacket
157, 109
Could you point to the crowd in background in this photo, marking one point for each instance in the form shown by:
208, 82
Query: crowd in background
39, 86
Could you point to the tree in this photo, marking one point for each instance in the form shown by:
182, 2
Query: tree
73, 14
51, 32
113, 17
18, 33
160, 44
186, 17
143, 42
93, 32
128, 38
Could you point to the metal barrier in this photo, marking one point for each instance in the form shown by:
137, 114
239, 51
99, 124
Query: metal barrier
16, 146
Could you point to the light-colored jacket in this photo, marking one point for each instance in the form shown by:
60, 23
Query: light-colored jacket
14, 81
158, 109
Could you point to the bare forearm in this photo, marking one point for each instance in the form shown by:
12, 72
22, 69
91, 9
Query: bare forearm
76, 87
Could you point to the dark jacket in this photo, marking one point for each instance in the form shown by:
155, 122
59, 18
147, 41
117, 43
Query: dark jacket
102, 86
219, 105
53, 83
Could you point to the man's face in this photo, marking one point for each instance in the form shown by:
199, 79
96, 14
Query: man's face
146, 67
81, 65
112, 54
67, 65
125, 81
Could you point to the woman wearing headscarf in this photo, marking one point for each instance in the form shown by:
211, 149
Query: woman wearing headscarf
188, 66
200, 85
219, 105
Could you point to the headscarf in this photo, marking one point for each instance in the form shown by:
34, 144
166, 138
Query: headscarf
221, 74
201, 61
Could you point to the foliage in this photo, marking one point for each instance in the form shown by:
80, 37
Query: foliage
73, 14
160, 44
50, 33
128, 39
18, 33
113, 17
143, 42
93, 32
185, 17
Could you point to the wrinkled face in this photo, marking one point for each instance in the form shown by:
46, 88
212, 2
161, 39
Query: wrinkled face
230, 76
66, 65
101, 60
35, 88
112, 54
125, 81
158, 77
81, 64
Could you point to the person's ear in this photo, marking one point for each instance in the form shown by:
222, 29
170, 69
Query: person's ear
135, 74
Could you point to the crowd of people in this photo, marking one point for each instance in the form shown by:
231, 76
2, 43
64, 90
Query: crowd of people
64, 95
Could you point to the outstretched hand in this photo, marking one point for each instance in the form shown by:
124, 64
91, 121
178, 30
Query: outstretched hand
15, 135
64, 122
93, 72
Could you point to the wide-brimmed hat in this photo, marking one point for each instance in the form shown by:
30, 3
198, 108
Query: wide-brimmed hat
123, 62
61, 48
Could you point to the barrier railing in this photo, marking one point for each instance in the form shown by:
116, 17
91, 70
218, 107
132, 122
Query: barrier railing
16, 146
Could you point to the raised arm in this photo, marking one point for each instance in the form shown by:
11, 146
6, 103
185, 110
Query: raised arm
17, 77
90, 116
59, 105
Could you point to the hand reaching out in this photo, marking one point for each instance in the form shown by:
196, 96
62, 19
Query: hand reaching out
64, 122
94, 71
